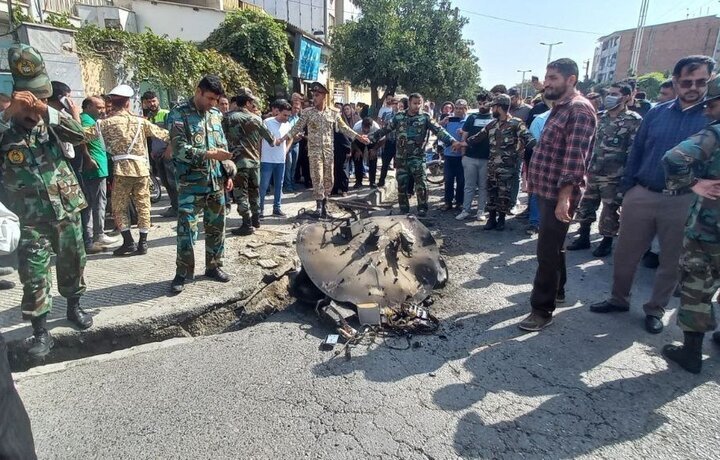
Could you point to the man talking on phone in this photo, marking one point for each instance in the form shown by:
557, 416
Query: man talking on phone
203, 175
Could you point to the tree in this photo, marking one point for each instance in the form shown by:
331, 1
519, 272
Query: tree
650, 83
258, 42
415, 45
174, 64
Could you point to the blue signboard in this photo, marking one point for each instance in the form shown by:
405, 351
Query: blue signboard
308, 56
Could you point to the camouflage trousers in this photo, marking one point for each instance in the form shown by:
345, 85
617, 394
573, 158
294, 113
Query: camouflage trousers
321, 173
37, 244
407, 167
246, 192
600, 189
124, 190
499, 189
699, 281
212, 205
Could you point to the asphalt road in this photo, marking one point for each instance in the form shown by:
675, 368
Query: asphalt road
590, 385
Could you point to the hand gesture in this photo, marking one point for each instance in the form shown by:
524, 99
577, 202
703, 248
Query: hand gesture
562, 211
363, 138
218, 154
24, 102
229, 185
707, 188
91, 165
279, 141
168, 153
457, 146
74, 109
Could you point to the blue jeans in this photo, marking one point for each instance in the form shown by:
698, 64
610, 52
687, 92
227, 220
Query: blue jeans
290, 164
453, 171
534, 210
277, 171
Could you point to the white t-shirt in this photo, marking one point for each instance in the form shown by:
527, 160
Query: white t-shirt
271, 153
373, 128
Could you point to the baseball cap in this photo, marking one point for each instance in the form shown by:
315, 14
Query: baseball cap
28, 71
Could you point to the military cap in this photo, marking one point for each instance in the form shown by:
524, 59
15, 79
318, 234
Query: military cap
318, 87
246, 93
28, 71
713, 91
122, 91
502, 99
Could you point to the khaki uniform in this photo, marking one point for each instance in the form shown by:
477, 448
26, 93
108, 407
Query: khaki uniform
321, 126
125, 136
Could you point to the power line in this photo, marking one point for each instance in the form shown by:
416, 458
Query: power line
541, 26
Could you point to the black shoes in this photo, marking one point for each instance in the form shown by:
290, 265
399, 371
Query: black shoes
500, 222
77, 315
6, 284
422, 212
689, 355
653, 324
319, 208
255, 221
607, 307
142, 248
604, 249
217, 274
491, 222
42, 343
279, 213
128, 247
177, 284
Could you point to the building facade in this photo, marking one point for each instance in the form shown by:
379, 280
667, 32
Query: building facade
662, 46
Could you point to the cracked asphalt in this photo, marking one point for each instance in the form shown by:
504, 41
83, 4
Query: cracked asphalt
589, 386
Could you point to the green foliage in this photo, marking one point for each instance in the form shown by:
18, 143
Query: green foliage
650, 83
258, 42
19, 16
174, 64
61, 20
415, 45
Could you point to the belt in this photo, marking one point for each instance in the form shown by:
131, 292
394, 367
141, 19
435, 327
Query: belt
129, 157
665, 191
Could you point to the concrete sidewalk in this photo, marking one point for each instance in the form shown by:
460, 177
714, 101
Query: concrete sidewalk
129, 296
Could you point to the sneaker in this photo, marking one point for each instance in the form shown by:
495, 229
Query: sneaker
481, 217
104, 240
279, 213
463, 215
534, 322
532, 230
95, 248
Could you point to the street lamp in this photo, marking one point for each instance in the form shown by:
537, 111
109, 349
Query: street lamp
550, 47
522, 84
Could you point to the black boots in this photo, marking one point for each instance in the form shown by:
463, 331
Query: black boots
177, 284
255, 220
217, 274
604, 248
500, 222
42, 341
142, 246
245, 229
323, 210
77, 315
319, 208
583, 239
128, 247
689, 355
492, 221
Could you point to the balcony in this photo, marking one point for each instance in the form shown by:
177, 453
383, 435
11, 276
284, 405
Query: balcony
68, 6
230, 5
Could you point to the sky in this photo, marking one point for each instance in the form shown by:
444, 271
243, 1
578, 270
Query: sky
505, 47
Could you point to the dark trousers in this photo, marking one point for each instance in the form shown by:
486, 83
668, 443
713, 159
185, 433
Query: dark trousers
302, 171
388, 155
16, 439
340, 179
454, 180
372, 170
551, 274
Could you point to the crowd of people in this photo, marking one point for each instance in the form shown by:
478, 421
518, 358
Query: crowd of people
647, 165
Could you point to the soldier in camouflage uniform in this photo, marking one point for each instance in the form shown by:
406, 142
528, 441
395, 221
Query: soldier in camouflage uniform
41, 188
695, 164
245, 132
411, 127
322, 122
616, 131
203, 175
508, 138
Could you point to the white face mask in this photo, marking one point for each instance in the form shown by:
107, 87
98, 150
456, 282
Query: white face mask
612, 102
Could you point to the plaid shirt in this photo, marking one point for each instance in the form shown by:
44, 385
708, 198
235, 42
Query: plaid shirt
563, 152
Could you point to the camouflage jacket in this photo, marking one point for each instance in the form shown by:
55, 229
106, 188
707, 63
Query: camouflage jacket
411, 133
192, 134
39, 183
508, 140
245, 132
124, 130
321, 127
614, 140
697, 157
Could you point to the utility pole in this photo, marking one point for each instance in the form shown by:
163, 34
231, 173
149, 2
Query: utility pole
637, 44
550, 47
587, 69
522, 84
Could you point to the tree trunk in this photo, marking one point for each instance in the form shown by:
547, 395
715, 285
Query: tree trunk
374, 99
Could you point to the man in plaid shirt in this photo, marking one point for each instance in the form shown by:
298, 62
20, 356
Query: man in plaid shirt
557, 176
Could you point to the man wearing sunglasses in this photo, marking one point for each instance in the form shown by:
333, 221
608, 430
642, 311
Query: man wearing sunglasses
648, 209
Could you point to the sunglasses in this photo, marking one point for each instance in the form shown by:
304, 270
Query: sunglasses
687, 84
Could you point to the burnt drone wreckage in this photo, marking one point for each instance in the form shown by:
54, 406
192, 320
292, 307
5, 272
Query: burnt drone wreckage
384, 268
